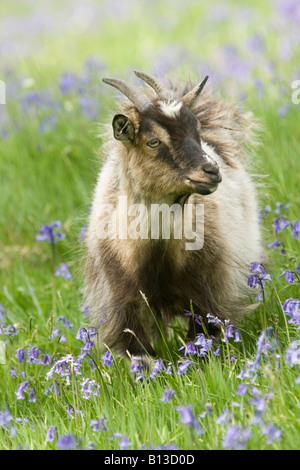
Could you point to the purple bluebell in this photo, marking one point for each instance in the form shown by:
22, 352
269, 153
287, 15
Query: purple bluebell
51, 433
98, 424
89, 388
49, 233
33, 355
281, 223
224, 418
195, 318
2, 312
137, 366
291, 308
157, 367
5, 418
107, 359
242, 389
85, 310
280, 206
189, 348
236, 438
63, 271
32, 395
183, 367
21, 389
167, 395
54, 333
67, 83
124, 442
66, 442
259, 402
275, 244
296, 229
13, 372
272, 432
82, 233
293, 353
289, 276
66, 322
187, 417
20, 355
90, 107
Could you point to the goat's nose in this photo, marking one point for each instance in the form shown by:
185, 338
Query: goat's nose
210, 167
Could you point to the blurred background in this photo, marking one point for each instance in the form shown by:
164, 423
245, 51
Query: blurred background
53, 55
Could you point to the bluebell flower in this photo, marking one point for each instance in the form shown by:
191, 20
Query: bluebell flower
236, 438
281, 223
271, 431
137, 365
242, 389
89, 388
66, 322
107, 359
224, 418
82, 233
21, 389
183, 367
189, 348
49, 233
51, 433
196, 318
63, 271
2, 312
66, 442
85, 310
291, 308
296, 229
275, 244
187, 417
5, 418
289, 276
98, 424
157, 367
167, 395
20, 355
124, 442
67, 82
293, 353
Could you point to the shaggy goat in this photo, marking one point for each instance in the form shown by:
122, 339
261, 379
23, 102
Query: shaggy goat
167, 150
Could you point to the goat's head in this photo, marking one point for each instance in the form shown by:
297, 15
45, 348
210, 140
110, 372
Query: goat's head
162, 137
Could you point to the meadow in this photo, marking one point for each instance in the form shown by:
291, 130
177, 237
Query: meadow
58, 389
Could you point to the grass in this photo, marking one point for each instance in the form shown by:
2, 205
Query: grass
48, 168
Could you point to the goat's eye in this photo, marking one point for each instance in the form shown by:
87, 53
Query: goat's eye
153, 143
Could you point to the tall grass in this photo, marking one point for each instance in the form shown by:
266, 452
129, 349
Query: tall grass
238, 394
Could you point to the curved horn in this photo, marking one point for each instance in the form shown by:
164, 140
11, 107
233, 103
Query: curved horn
156, 84
133, 94
190, 98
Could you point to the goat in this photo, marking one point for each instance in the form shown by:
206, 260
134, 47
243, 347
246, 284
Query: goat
167, 149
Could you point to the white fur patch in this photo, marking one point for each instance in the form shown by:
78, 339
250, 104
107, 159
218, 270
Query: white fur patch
171, 108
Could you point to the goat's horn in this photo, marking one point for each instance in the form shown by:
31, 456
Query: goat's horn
156, 84
190, 98
133, 94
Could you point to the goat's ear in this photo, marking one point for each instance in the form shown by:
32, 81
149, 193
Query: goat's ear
123, 128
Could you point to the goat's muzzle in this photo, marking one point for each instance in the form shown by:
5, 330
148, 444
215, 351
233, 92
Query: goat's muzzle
206, 180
